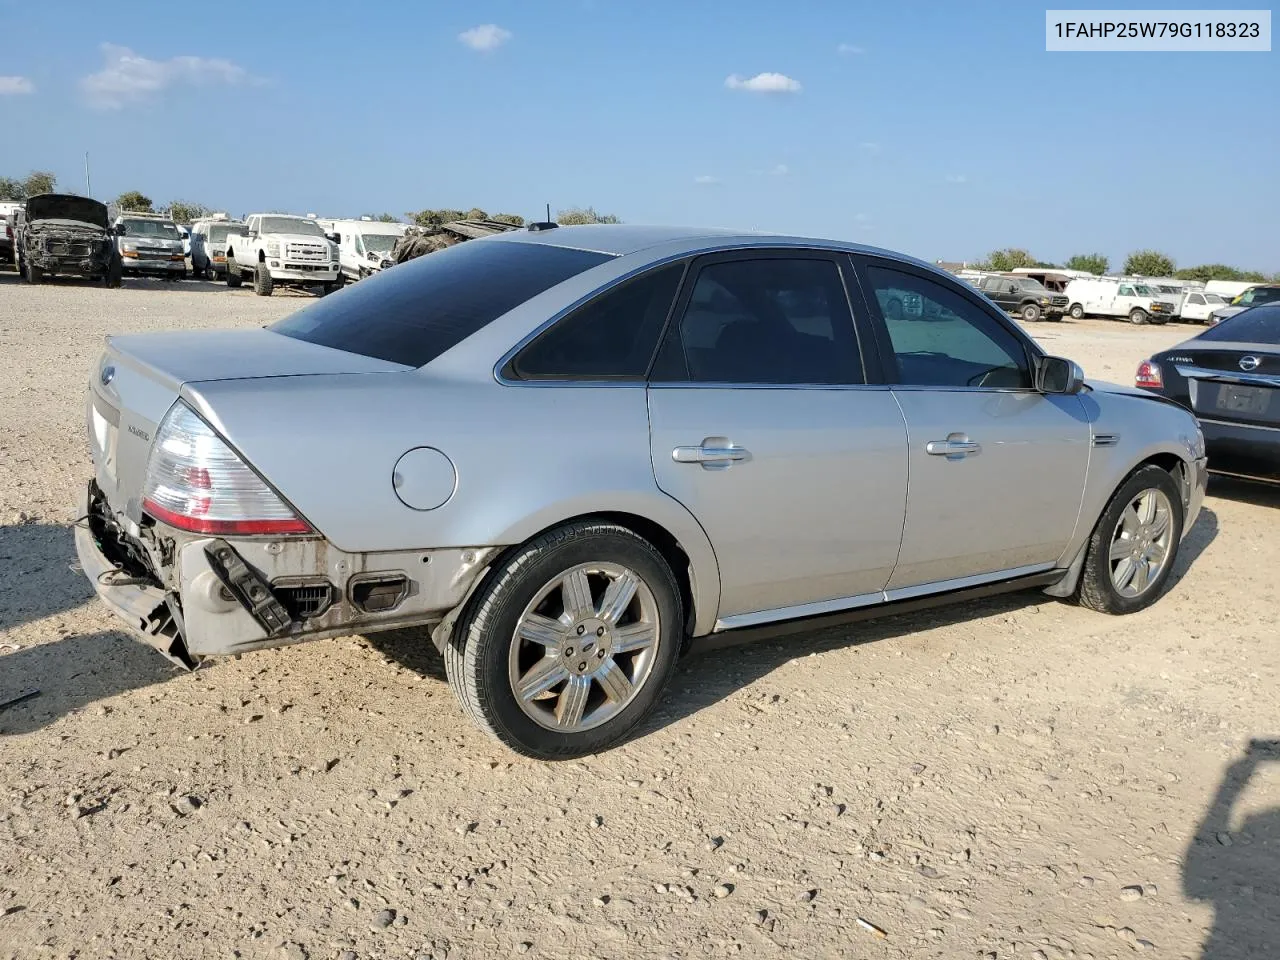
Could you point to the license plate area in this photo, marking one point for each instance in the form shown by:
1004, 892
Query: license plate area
1247, 401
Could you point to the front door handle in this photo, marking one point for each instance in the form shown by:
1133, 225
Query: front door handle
957, 446
714, 453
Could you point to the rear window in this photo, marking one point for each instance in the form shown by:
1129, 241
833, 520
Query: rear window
415, 311
1256, 325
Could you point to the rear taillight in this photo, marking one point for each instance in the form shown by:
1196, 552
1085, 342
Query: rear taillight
196, 482
1148, 376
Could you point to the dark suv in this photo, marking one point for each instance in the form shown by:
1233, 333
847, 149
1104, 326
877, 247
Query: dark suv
1023, 297
64, 235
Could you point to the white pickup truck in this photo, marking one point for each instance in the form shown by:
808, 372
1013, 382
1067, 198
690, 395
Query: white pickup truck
274, 249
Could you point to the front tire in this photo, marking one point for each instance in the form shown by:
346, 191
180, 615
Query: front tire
569, 642
1138, 315
234, 278
1076, 311
1030, 313
262, 282
1134, 546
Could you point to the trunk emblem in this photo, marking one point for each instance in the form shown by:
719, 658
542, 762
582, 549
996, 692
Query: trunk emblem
109, 373
1250, 363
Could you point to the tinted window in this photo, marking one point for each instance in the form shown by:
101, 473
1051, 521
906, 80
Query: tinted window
941, 339
1196, 298
1256, 325
1256, 295
417, 310
764, 321
612, 337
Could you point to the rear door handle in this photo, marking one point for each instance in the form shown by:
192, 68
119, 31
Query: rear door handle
714, 453
957, 446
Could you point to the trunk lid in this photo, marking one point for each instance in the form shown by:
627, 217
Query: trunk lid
1239, 382
139, 377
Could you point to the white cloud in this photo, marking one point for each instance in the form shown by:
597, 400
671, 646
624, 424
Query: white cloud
869, 146
957, 178
706, 181
848, 49
126, 76
763, 83
862, 218
487, 36
781, 170
12, 86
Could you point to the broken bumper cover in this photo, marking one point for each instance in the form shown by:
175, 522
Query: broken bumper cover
216, 597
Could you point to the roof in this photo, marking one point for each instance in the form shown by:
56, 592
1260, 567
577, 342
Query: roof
623, 239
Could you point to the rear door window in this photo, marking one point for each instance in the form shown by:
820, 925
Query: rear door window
417, 310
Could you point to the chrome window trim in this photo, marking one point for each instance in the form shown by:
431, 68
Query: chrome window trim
835, 250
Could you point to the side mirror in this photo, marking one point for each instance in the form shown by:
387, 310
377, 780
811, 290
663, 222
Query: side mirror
335, 237
119, 231
1059, 375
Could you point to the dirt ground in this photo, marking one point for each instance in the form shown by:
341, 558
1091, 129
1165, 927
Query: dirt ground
1014, 778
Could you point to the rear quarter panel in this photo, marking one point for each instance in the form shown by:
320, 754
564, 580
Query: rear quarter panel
526, 459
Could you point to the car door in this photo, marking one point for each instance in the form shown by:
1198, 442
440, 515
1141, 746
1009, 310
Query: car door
997, 469
764, 424
1194, 307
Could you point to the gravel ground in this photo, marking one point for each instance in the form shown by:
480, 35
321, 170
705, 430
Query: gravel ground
1011, 778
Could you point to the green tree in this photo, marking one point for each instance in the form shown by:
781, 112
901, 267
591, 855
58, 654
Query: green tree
11, 189
475, 213
384, 217
1209, 271
1007, 259
512, 218
1254, 276
39, 181
1149, 263
1095, 263
578, 215
134, 202
183, 211
1045, 265
433, 218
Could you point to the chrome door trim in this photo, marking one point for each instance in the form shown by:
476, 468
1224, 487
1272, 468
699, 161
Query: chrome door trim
960, 583
1237, 423
799, 610
839, 604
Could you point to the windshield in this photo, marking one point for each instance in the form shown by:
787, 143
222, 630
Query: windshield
296, 225
1213, 298
220, 233
1256, 295
1144, 290
379, 242
150, 228
1259, 325
422, 308
1033, 286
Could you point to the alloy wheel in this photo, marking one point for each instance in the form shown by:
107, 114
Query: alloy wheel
1140, 545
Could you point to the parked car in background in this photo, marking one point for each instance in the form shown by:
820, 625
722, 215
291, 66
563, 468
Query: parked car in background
1228, 289
1197, 306
1255, 296
1230, 376
1112, 297
150, 245
274, 249
6, 239
209, 239
62, 235
1055, 279
364, 245
1024, 297
743, 480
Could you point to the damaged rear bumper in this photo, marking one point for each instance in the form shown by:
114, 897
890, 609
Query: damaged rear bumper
192, 596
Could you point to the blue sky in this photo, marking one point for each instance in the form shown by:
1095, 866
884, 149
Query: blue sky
943, 130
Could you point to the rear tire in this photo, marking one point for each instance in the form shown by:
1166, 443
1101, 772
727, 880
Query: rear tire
234, 279
262, 282
1076, 311
522, 620
1030, 312
1138, 315
1124, 542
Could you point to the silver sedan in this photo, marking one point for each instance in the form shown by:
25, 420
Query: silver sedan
568, 453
